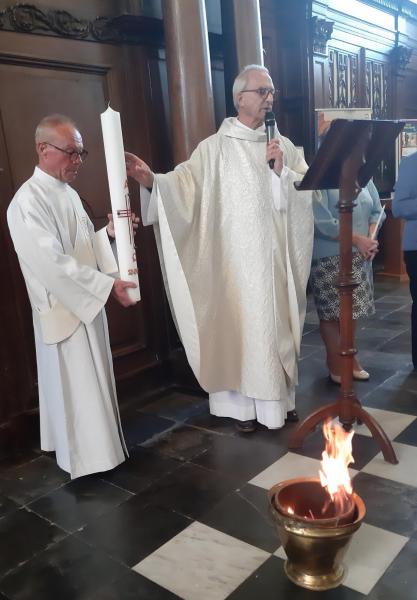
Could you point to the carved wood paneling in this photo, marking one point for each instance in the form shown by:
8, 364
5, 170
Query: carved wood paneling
343, 79
321, 32
376, 88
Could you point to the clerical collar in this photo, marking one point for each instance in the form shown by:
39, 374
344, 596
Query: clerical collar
261, 127
39, 174
232, 127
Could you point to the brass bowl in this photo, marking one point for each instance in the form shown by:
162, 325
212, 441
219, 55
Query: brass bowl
315, 548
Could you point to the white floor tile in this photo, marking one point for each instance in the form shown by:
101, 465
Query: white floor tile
287, 467
201, 562
393, 423
404, 472
370, 553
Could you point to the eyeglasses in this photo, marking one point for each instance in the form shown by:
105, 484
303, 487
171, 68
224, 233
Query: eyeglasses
73, 154
262, 92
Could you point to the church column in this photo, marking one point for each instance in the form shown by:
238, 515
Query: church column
189, 74
242, 40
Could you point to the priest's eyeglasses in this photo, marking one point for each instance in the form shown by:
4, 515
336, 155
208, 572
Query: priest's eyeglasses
262, 92
73, 154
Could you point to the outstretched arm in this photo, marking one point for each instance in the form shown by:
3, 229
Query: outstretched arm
139, 170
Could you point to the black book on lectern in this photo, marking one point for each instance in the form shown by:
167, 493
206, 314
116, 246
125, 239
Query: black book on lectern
340, 140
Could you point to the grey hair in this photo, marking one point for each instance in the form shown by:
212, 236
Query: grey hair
51, 122
242, 80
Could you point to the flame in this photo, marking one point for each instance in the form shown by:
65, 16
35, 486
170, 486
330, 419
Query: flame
334, 473
290, 511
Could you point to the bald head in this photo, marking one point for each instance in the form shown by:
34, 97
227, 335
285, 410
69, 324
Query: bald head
56, 137
48, 126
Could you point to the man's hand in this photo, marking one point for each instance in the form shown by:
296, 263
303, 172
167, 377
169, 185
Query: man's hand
273, 150
120, 294
367, 247
139, 170
110, 225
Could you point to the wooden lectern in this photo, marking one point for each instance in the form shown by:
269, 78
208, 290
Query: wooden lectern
347, 159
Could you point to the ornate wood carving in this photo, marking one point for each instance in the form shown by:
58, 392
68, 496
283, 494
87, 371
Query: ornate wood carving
376, 87
126, 28
28, 18
321, 33
343, 79
400, 57
331, 77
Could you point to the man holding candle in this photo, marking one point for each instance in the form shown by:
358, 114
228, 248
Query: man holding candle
67, 267
235, 240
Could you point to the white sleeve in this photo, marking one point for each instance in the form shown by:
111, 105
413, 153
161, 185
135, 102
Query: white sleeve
104, 252
278, 194
148, 206
80, 288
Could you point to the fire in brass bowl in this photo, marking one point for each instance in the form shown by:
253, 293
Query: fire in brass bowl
315, 544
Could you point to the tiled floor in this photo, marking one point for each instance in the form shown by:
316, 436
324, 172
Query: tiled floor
187, 515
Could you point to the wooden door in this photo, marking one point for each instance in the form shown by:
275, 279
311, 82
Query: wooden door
40, 75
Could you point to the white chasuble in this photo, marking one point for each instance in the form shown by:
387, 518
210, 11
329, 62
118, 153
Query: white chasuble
60, 257
236, 260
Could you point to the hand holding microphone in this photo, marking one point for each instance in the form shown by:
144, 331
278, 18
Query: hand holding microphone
274, 155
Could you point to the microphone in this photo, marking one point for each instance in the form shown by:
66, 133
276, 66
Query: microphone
270, 132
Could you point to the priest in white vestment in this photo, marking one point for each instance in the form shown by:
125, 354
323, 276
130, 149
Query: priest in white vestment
67, 267
235, 241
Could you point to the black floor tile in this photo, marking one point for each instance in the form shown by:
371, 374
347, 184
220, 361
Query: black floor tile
409, 435
399, 581
278, 438
177, 406
391, 303
77, 503
68, 570
378, 376
7, 506
389, 504
375, 329
133, 587
32, 480
139, 427
308, 328
131, 531
313, 337
389, 362
191, 490
269, 582
244, 515
17, 459
144, 467
308, 351
184, 443
22, 535
239, 457
402, 380
211, 423
396, 400
398, 344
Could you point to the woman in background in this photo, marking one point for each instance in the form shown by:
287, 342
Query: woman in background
325, 269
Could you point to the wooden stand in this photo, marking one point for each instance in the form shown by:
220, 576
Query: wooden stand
347, 407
